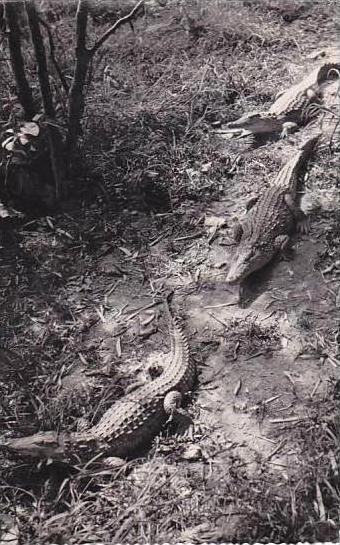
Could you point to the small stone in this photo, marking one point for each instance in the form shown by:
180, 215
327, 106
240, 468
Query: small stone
215, 221
206, 167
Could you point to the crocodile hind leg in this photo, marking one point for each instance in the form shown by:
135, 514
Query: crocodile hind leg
302, 221
172, 406
282, 244
172, 403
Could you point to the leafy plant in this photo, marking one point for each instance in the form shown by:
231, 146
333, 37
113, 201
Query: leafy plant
24, 140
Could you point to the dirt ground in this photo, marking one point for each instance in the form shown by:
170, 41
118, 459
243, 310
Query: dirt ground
261, 460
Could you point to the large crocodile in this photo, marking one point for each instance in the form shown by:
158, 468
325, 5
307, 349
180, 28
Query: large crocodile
131, 423
271, 219
290, 109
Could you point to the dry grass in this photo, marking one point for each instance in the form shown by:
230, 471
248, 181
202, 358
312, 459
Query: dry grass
152, 99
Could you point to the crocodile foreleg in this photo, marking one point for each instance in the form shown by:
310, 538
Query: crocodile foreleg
288, 128
251, 203
301, 220
237, 231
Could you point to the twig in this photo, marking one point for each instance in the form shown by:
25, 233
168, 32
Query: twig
238, 388
189, 237
271, 399
146, 307
333, 361
114, 27
255, 356
218, 320
289, 377
119, 347
219, 306
319, 500
315, 387
113, 287
275, 451
284, 420
265, 439
100, 313
159, 238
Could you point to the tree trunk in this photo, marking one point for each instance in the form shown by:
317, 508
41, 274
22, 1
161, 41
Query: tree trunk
83, 59
23, 89
76, 96
77, 100
53, 135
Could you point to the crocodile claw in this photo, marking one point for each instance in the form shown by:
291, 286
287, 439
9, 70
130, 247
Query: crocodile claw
303, 226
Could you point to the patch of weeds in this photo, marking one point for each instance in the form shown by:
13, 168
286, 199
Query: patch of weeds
248, 337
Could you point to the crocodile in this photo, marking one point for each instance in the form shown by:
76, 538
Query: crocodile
290, 109
131, 423
271, 219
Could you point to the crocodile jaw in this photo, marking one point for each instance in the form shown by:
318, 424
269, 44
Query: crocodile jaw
256, 123
247, 260
39, 445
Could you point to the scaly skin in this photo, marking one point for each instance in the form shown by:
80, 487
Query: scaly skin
288, 110
130, 423
270, 222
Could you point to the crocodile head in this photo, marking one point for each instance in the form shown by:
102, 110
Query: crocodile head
248, 259
39, 445
255, 122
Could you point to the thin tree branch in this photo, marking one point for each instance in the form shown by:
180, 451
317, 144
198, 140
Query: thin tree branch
53, 58
127, 19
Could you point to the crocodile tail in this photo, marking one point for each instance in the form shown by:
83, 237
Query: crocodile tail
170, 320
327, 70
290, 174
299, 160
179, 348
